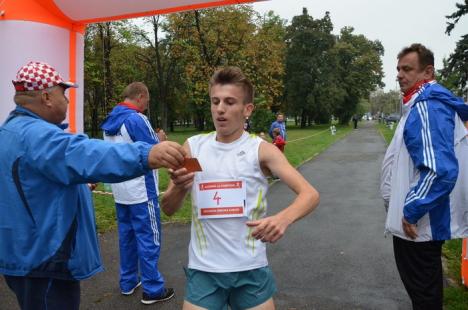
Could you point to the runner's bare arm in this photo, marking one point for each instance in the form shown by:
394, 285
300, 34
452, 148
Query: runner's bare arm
180, 183
272, 228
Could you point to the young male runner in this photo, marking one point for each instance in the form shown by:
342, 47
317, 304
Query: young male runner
227, 252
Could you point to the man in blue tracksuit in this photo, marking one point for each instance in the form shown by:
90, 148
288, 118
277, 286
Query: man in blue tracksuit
424, 177
136, 201
279, 123
48, 240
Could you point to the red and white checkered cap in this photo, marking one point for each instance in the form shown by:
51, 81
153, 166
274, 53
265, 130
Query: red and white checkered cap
38, 75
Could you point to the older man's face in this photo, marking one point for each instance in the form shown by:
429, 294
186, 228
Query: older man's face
410, 71
57, 103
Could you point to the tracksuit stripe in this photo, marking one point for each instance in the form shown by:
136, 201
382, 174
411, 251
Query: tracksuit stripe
428, 132
149, 127
428, 155
154, 224
424, 189
423, 135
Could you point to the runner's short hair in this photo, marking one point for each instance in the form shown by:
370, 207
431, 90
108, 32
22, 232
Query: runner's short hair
233, 75
134, 89
425, 55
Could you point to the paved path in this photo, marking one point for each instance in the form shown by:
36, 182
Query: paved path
337, 258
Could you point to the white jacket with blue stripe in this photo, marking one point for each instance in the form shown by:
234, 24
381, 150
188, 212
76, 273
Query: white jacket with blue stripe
425, 170
126, 125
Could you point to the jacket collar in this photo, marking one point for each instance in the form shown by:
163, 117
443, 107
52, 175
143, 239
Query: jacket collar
19, 110
130, 106
416, 87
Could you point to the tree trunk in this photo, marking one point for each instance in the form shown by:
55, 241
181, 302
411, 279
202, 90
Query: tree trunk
200, 121
105, 32
303, 119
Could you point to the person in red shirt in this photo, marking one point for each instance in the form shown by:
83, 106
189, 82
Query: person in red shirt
278, 140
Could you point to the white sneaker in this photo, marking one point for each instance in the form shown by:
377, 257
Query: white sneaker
130, 292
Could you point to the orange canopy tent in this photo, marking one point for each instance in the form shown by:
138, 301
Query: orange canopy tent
53, 31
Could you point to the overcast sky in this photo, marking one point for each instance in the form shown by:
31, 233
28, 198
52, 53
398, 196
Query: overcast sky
396, 23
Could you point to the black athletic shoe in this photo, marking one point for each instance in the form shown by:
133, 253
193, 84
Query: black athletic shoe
166, 295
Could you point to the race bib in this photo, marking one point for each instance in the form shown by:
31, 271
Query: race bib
221, 199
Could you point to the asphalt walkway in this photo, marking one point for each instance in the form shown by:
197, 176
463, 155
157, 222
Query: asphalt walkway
336, 258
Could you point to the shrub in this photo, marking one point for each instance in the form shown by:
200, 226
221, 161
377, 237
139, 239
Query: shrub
261, 120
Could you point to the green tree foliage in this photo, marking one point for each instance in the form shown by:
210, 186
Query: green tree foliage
234, 36
163, 70
449, 79
265, 60
326, 74
261, 120
308, 67
175, 56
209, 39
359, 70
262, 117
109, 65
455, 71
302, 69
462, 9
386, 102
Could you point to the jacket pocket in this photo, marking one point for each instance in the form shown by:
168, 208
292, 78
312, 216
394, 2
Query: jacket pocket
19, 188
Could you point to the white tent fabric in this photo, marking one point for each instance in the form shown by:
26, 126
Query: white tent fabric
92, 9
44, 43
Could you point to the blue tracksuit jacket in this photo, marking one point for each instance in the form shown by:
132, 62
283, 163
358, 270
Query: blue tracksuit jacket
47, 225
429, 137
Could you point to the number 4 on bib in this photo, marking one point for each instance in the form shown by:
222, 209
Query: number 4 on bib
221, 199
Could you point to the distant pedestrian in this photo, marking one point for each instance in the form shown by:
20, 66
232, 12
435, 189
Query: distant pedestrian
278, 140
355, 120
247, 124
279, 123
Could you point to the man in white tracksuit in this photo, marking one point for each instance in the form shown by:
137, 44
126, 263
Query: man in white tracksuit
136, 202
424, 177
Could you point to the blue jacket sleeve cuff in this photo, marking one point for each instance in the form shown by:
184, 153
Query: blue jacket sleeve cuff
409, 219
145, 149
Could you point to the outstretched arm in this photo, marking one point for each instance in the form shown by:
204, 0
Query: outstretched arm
84, 160
272, 228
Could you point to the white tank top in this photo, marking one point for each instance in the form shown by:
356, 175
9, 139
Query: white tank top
225, 245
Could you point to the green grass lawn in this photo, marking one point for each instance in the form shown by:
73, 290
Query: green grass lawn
303, 144
455, 297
